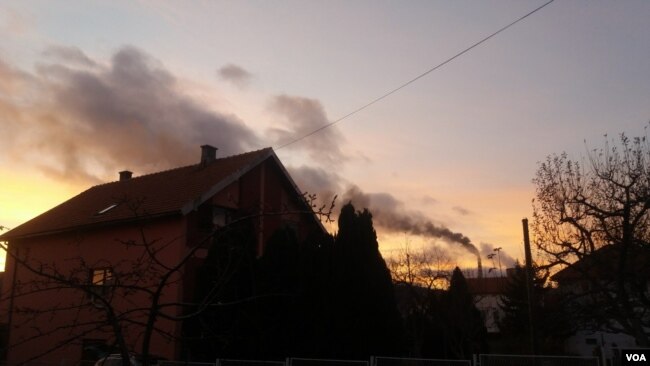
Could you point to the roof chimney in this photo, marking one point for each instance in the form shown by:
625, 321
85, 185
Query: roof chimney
208, 154
125, 175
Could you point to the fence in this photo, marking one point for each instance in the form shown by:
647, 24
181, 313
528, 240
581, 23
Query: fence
324, 362
397, 361
229, 362
184, 363
481, 360
527, 360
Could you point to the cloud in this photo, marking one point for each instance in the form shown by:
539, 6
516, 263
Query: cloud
13, 22
85, 124
69, 55
462, 211
301, 116
235, 74
428, 200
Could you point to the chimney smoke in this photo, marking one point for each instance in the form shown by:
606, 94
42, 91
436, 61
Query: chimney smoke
208, 154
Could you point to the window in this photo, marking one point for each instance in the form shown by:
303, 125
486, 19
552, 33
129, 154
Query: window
105, 210
213, 217
101, 280
221, 216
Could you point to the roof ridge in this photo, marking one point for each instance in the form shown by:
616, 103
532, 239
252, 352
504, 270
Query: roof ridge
181, 167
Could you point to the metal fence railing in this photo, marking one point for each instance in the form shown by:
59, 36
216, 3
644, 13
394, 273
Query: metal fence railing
398, 361
324, 362
529, 360
480, 360
231, 362
184, 363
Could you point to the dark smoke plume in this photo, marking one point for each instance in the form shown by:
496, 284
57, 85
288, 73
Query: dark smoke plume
83, 121
389, 213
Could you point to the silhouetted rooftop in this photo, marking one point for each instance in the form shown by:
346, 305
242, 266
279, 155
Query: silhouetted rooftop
174, 191
487, 285
604, 263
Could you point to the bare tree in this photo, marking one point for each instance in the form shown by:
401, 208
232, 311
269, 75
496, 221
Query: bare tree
428, 268
419, 276
593, 219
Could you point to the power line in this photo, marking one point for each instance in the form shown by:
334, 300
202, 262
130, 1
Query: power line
415, 78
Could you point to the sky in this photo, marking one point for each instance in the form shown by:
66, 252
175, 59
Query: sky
88, 89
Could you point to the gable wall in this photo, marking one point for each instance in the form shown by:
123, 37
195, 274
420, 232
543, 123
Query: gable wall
72, 255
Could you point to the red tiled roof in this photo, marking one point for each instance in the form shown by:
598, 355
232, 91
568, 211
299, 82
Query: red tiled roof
174, 191
487, 285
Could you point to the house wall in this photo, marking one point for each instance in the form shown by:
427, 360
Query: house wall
490, 308
265, 193
593, 342
63, 316
589, 343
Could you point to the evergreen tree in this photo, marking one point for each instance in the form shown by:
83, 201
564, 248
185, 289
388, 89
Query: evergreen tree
551, 321
464, 330
365, 317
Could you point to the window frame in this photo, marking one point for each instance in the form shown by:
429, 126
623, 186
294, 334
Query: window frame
101, 280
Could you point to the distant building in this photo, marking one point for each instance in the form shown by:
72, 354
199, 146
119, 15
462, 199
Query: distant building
176, 209
588, 281
487, 292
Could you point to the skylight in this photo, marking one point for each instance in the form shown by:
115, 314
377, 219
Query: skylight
101, 212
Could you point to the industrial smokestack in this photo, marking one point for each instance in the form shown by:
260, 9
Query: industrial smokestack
480, 266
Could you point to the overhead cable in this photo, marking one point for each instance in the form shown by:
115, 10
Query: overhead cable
393, 91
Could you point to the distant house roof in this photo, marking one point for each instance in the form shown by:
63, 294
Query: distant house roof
175, 191
603, 263
487, 285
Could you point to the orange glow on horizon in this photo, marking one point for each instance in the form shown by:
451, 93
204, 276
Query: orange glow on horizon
24, 196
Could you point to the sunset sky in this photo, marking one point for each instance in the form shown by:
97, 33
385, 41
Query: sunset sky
91, 88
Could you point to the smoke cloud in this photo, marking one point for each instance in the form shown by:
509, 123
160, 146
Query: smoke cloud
390, 214
507, 261
316, 180
79, 120
300, 116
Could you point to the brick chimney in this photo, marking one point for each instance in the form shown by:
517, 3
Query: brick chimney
208, 154
125, 175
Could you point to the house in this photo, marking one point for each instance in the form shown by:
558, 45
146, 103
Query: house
487, 292
593, 284
94, 265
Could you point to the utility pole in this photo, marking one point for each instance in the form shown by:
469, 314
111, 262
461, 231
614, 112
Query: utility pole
530, 276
